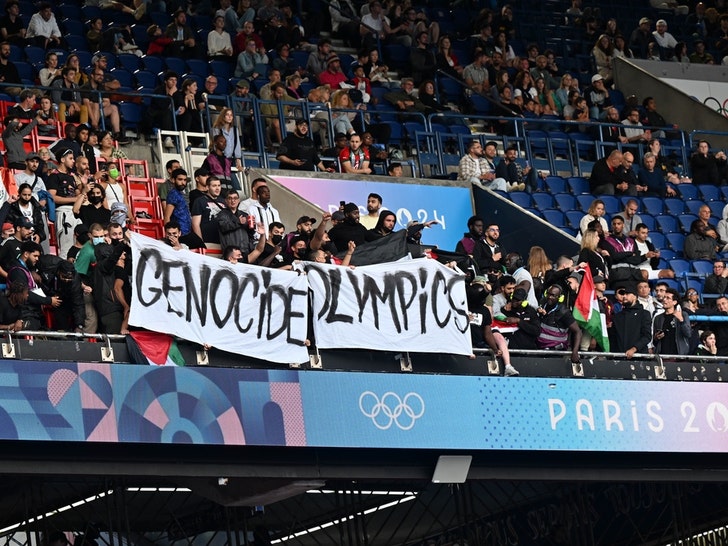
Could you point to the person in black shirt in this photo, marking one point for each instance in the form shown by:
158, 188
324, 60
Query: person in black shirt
11, 307
298, 151
91, 207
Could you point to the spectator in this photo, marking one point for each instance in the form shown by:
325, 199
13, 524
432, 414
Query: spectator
187, 111
316, 63
13, 134
514, 174
375, 25
633, 128
32, 177
597, 97
64, 190
272, 256
384, 227
183, 38
10, 250
603, 52
65, 284
219, 45
664, 39
607, 177
708, 168
90, 207
701, 243
95, 103
670, 327
422, 59
236, 227
631, 328
176, 208
20, 272
298, 151
475, 74
478, 168
262, 209
353, 159
250, 63
650, 254
67, 96
717, 281
525, 317
28, 207
344, 22
218, 165
205, 210
272, 111
8, 71
374, 207
377, 73
539, 266
404, 99
333, 76
447, 61
506, 286
708, 344
515, 267
12, 29
158, 42
43, 29
559, 331
653, 179
700, 55
11, 307
348, 230
598, 260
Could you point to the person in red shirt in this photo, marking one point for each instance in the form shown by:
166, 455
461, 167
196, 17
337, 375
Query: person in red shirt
333, 75
354, 159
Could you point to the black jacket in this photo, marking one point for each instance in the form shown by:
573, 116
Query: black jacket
631, 327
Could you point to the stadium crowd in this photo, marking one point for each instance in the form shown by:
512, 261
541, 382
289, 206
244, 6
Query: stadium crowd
78, 181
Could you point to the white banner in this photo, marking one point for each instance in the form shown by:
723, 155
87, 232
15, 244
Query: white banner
418, 306
242, 309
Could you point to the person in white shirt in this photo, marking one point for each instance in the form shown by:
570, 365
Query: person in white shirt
43, 29
663, 38
219, 44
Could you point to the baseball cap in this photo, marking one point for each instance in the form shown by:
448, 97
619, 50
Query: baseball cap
519, 294
243, 84
596, 78
305, 220
65, 152
23, 222
32, 155
599, 278
644, 20
7, 226
96, 58
660, 22
350, 207
576, 275
338, 216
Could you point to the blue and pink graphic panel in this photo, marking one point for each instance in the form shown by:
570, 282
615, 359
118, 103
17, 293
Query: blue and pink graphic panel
450, 206
87, 402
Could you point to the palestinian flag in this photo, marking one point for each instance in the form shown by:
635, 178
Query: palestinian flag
586, 312
154, 348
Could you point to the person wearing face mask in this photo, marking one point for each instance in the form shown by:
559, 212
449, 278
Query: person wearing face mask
90, 207
26, 206
271, 255
112, 292
82, 264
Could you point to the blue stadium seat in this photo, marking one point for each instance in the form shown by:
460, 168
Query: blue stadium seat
554, 217
396, 55
585, 201
653, 205
694, 206
578, 184
520, 198
153, 64
221, 69
648, 220
199, 67
147, 79
176, 64
35, 55
543, 201
124, 76
688, 192
676, 241
76, 43
612, 204
72, 25
131, 114
716, 208
703, 267
450, 90
680, 266
685, 220
667, 253
666, 224
658, 239
574, 217
129, 62
709, 192
565, 202
672, 283
673, 205
695, 284
555, 184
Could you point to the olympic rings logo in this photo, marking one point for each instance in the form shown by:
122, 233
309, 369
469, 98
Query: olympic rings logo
391, 409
